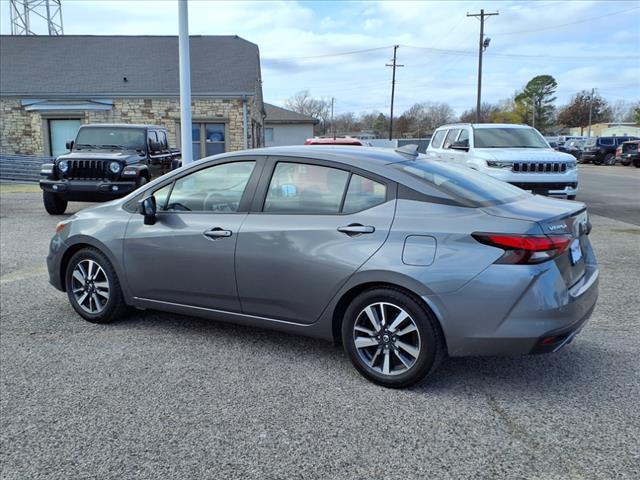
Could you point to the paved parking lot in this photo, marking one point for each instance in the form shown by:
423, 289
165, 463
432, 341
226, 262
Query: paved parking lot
165, 396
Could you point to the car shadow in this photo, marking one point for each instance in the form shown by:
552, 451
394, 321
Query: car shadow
569, 371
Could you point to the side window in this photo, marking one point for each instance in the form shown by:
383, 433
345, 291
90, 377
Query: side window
451, 137
362, 194
436, 141
162, 195
162, 138
214, 189
152, 136
302, 188
464, 137
607, 141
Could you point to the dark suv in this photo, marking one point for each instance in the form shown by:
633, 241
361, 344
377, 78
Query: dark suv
104, 162
602, 149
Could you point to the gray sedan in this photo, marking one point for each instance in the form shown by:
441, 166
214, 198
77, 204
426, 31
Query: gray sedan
402, 259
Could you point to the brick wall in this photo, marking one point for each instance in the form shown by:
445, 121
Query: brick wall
22, 131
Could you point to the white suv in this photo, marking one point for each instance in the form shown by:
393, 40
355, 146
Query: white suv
517, 154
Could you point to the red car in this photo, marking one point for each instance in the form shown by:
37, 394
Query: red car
334, 141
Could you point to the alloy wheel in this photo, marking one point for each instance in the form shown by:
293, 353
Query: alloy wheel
90, 286
386, 338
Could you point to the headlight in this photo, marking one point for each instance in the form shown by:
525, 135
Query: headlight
571, 165
114, 167
493, 164
63, 166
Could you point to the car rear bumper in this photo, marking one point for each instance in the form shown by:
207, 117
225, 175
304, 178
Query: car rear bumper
88, 190
544, 316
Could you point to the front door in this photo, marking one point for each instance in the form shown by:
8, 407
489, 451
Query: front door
60, 132
317, 226
187, 256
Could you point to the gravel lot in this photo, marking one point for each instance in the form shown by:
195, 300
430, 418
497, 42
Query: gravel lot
165, 396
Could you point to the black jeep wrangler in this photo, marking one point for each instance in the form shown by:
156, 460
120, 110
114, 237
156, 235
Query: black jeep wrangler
104, 162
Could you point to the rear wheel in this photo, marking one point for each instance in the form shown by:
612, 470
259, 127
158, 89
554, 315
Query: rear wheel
609, 159
391, 339
53, 203
93, 287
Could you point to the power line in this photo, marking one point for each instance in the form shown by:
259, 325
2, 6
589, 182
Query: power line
584, 20
325, 55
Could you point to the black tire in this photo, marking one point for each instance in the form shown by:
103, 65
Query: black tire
114, 306
571, 197
431, 344
142, 181
53, 203
609, 159
636, 164
597, 161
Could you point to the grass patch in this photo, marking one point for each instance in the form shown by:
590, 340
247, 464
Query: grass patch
19, 188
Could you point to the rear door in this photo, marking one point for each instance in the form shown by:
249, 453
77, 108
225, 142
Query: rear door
312, 225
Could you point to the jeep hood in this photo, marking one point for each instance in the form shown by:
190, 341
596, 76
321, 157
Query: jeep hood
127, 156
522, 155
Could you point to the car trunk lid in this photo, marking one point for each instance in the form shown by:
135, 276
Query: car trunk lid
554, 217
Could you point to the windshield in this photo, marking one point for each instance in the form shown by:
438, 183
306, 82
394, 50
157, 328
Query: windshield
508, 138
461, 182
131, 138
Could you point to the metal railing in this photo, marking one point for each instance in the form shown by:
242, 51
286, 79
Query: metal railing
22, 168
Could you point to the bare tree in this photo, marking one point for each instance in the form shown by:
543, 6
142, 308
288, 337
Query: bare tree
423, 118
622, 110
320, 108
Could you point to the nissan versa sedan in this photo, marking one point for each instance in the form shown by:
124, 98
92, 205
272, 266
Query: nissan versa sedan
403, 259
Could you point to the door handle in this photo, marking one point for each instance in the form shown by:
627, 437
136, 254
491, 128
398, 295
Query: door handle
356, 229
217, 232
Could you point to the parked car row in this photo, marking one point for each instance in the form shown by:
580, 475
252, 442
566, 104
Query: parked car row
602, 150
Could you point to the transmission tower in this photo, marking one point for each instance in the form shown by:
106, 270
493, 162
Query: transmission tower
28, 15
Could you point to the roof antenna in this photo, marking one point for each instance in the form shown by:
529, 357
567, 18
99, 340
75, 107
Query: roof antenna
409, 151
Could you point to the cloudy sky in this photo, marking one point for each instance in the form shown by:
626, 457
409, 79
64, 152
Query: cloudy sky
311, 45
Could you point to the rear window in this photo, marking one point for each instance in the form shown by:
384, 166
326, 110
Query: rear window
468, 186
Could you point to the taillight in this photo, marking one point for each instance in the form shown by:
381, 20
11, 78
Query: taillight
525, 249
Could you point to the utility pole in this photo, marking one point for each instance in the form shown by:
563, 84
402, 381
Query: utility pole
393, 87
185, 82
593, 92
482, 46
333, 126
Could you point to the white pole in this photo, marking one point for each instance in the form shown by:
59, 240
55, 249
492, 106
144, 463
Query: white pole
185, 83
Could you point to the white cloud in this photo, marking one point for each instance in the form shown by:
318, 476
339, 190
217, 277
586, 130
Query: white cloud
288, 30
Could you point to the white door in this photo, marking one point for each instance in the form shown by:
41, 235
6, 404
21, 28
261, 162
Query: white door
60, 132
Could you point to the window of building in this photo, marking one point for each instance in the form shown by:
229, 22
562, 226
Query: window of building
268, 135
207, 139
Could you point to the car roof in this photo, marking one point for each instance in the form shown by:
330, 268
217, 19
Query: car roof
367, 158
484, 125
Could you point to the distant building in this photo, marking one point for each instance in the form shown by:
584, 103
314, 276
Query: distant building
49, 85
617, 129
284, 127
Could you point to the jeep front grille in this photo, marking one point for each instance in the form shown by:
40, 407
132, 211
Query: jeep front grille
88, 170
539, 167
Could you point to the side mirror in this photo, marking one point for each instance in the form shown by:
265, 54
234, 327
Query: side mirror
460, 145
69, 144
154, 146
147, 207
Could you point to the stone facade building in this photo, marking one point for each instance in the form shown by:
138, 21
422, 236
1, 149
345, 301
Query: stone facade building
49, 85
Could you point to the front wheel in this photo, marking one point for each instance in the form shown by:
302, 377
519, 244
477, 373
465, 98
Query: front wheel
391, 339
53, 203
93, 287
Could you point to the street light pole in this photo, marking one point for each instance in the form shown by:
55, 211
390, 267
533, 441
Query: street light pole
185, 82
393, 88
